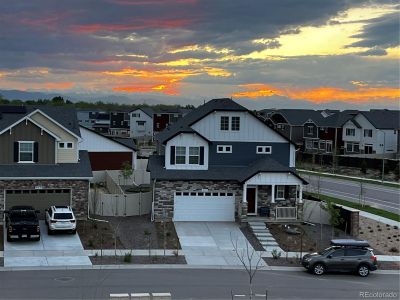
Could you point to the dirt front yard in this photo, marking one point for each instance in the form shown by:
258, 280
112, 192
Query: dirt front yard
383, 238
314, 238
132, 233
147, 260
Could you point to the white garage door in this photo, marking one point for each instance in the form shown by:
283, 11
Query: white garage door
204, 206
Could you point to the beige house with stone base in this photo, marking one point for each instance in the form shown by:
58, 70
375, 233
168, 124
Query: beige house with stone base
40, 162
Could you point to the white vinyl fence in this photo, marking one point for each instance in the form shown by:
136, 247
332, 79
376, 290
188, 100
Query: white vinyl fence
120, 204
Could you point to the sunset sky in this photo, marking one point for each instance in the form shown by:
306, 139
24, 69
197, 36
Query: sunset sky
263, 53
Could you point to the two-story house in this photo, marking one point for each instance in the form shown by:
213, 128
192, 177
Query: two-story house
221, 162
119, 123
141, 123
40, 163
372, 132
164, 118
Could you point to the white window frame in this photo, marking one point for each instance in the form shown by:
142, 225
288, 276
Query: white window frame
191, 155
65, 145
226, 125
352, 147
350, 132
369, 131
264, 149
182, 155
280, 189
322, 145
331, 146
309, 144
225, 149
32, 152
237, 124
310, 129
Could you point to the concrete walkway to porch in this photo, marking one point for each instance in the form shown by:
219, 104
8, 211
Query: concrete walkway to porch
209, 243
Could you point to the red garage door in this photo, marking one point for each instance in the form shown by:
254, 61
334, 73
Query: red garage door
109, 160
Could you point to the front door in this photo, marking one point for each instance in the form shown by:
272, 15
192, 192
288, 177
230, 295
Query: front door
251, 200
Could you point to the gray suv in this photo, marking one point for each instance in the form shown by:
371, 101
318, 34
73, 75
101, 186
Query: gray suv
344, 255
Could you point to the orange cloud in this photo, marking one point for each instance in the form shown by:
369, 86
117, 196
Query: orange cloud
321, 94
168, 89
55, 85
139, 24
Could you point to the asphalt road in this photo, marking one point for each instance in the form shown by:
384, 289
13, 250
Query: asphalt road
379, 196
188, 284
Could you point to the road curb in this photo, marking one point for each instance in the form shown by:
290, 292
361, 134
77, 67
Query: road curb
175, 267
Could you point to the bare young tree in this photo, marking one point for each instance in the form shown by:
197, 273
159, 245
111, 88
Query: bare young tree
249, 258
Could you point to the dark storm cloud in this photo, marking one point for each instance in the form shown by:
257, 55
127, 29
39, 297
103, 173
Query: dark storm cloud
383, 32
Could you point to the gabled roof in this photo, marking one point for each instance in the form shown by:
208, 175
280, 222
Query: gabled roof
383, 119
218, 172
184, 124
65, 116
122, 141
147, 110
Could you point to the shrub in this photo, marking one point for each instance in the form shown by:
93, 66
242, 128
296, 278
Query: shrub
94, 225
379, 229
395, 227
371, 231
364, 167
91, 243
276, 254
176, 253
394, 250
361, 232
127, 257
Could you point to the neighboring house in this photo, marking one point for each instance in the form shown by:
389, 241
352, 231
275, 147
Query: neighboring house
102, 122
162, 119
40, 163
107, 153
119, 123
372, 132
222, 162
141, 123
315, 131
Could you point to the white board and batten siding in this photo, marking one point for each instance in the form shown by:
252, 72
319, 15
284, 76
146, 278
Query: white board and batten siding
274, 178
186, 140
199, 207
251, 129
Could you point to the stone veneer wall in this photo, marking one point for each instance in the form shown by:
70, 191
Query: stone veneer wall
80, 190
164, 195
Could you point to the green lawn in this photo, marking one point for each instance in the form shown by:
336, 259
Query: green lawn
372, 210
395, 185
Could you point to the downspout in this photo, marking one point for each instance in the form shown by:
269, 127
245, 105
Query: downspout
152, 202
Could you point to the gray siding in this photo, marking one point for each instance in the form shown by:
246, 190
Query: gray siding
245, 153
297, 134
27, 132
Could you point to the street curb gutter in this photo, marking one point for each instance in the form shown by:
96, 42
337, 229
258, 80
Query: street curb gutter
176, 267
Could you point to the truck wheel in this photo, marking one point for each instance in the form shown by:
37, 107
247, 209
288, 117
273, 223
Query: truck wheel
9, 239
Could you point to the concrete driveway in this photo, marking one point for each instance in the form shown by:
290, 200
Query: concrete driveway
209, 243
55, 250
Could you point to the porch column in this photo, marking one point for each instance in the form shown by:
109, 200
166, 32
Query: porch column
245, 193
301, 193
273, 193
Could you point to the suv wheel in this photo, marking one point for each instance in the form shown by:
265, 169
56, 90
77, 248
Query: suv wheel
318, 269
363, 270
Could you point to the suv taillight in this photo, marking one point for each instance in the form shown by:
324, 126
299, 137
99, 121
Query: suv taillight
373, 257
37, 229
72, 221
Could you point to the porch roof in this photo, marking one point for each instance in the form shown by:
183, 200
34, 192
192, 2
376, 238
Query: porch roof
240, 173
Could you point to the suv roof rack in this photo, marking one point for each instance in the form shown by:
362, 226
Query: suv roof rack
350, 243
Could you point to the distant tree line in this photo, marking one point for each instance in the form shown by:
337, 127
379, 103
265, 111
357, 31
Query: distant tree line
107, 106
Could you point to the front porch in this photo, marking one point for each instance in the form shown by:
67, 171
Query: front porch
273, 197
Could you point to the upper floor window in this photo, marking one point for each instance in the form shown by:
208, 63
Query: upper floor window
26, 152
224, 123
180, 155
141, 123
194, 155
310, 129
264, 149
350, 132
224, 149
65, 145
368, 132
235, 126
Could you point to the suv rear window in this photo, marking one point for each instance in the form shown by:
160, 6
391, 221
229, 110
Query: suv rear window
62, 216
355, 252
